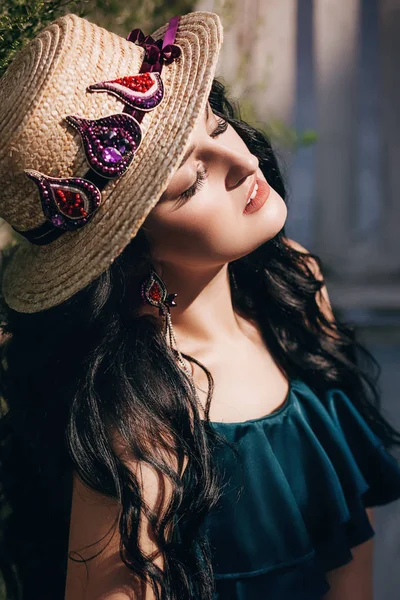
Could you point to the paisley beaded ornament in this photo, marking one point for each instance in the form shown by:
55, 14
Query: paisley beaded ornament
110, 142
144, 91
68, 203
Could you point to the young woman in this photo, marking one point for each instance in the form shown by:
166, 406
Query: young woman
186, 418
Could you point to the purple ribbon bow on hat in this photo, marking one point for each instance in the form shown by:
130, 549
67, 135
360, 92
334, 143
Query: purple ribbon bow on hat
157, 52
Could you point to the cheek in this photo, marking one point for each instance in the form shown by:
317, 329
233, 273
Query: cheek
198, 230
211, 229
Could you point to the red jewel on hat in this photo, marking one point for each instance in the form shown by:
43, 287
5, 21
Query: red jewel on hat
137, 83
68, 203
144, 91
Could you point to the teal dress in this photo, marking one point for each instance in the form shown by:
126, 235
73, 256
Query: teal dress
294, 505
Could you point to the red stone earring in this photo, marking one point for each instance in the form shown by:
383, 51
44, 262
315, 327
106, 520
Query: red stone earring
154, 292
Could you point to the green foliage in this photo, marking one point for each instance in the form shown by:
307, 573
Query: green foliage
121, 16
21, 20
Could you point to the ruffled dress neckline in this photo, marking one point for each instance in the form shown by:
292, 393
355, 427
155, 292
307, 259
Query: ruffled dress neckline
294, 499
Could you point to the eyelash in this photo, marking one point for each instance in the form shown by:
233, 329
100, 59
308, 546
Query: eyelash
203, 173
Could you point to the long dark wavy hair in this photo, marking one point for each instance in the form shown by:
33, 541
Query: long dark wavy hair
73, 374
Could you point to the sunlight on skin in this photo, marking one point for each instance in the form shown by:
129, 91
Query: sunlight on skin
193, 241
210, 229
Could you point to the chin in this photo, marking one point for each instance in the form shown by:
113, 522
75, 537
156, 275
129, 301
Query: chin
267, 222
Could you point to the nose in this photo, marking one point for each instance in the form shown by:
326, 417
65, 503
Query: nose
243, 165
237, 164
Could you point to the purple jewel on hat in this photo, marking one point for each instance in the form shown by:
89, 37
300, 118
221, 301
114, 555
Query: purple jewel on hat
144, 91
68, 203
110, 142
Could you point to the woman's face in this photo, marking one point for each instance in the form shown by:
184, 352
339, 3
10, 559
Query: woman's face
210, 228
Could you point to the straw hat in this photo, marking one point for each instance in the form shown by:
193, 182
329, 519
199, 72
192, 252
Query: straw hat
47, 81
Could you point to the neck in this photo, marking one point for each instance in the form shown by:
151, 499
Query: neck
204, 313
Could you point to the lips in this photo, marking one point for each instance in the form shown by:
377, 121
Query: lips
260, 198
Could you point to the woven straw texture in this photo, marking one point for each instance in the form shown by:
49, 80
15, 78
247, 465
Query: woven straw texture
47, 81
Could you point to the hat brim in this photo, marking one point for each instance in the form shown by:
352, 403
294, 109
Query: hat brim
39, 277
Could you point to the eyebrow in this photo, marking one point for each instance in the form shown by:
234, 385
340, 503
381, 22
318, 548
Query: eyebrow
190, 150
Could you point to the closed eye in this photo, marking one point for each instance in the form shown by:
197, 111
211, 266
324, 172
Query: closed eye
221, 128
203, 173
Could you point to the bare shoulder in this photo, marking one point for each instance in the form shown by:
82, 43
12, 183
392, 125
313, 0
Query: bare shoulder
322, 296
94, 532
312, 263
295, 245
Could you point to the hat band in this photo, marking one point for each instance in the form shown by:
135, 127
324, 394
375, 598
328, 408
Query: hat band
110, 143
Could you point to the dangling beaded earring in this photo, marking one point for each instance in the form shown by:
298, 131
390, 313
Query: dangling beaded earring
154, 292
